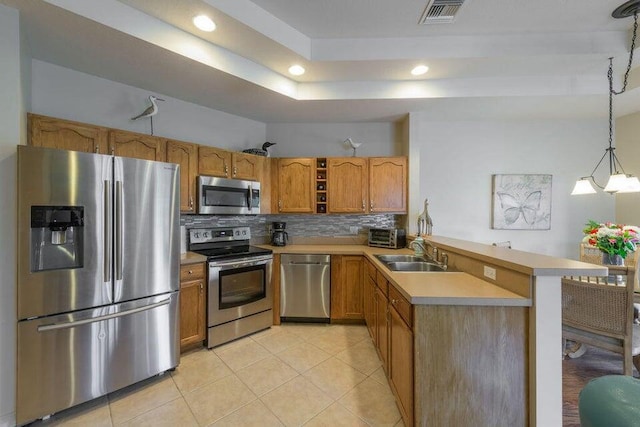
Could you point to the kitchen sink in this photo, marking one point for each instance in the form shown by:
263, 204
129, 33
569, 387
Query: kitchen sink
414, 266
400, 258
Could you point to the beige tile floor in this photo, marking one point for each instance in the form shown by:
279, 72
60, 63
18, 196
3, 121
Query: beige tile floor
288, 375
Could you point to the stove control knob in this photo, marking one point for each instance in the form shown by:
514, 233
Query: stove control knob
205, 235
196, 235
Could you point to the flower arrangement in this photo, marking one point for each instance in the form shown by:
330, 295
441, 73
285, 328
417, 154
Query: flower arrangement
614, 239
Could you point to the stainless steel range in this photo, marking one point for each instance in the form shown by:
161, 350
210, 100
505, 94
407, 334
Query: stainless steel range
240, 298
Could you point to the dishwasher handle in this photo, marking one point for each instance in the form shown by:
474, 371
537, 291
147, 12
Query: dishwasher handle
307, 263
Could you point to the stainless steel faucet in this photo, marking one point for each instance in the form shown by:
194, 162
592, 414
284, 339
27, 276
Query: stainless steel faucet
423, 245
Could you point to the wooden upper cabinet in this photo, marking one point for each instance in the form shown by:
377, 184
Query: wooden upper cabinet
388, 184
347, 185
214, 162
247, 166
49, 132
186, 155
296, 185
136, 145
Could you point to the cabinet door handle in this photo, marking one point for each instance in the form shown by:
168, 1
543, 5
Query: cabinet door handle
201, 288
279, 205
235, 171
371, 205
191, 202
226, 169
363, 205
97, 148
190, 271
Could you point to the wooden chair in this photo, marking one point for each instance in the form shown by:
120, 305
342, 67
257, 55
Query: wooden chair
600, 313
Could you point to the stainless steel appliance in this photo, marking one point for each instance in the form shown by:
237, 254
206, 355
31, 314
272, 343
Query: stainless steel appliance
279, 237
222, 196
98, 276
305, 294
240, 292
393, 238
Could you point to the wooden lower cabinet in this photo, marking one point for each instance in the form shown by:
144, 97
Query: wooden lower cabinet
390, 324
382, 328
401, 364
369, 295
347, 274
192, 305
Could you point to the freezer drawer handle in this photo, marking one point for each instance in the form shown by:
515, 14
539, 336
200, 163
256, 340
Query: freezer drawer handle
52, 327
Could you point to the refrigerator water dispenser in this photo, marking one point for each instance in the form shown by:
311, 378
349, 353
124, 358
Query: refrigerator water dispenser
56, 237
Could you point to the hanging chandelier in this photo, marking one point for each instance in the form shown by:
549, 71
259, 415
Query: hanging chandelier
619, 181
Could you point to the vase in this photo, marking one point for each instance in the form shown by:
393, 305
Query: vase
613, 259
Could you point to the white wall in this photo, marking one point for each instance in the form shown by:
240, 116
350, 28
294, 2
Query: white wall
326, 139
14, 91
627, 141
69, 94
456, 161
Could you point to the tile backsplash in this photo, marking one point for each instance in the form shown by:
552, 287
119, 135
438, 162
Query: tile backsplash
297, 225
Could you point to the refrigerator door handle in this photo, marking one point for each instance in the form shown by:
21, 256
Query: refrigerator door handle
66, 325
107, 237
119, 230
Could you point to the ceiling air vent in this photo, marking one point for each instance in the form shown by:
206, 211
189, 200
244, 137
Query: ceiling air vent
440, 11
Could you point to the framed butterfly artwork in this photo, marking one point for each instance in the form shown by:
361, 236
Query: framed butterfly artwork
521, 202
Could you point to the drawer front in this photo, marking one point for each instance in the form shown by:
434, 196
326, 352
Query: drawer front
371, 269
382, 283
192, 271
402, 306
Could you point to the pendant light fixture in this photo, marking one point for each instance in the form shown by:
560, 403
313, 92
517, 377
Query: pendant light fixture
619, 181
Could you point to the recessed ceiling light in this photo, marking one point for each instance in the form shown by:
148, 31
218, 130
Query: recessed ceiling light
296, 70
204, 23
419, 70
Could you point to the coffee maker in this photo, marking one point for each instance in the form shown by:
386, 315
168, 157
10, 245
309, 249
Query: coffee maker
279, 237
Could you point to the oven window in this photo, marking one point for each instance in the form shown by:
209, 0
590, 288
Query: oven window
225, 196
240, 286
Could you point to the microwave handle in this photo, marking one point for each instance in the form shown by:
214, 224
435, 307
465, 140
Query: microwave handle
250, 195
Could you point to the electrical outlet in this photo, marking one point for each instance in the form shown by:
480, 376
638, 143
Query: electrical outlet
490, 272
353, 230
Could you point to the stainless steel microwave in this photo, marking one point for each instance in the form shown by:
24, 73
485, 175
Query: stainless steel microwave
222, 196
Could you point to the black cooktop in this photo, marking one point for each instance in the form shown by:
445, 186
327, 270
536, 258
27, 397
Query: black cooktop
230, 252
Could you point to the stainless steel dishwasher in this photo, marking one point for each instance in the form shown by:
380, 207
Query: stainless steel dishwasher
305, 292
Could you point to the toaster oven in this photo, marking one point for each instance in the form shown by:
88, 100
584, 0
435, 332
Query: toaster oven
394, 238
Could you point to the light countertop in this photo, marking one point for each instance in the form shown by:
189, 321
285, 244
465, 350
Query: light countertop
449, 288
431, 288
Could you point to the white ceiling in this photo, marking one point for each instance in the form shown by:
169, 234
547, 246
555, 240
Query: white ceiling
498, 59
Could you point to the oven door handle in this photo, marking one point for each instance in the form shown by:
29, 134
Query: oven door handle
240, 263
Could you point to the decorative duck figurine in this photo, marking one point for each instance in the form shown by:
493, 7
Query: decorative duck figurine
260, 151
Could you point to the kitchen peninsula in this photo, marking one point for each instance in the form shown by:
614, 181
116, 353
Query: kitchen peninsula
458, 345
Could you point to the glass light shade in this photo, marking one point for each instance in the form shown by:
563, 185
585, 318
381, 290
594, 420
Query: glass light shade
632, 185
583, 186
616, 183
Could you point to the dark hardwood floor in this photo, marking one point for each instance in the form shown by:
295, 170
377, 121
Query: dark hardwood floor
576, 373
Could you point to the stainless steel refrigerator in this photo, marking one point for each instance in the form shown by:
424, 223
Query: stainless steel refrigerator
98, 276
